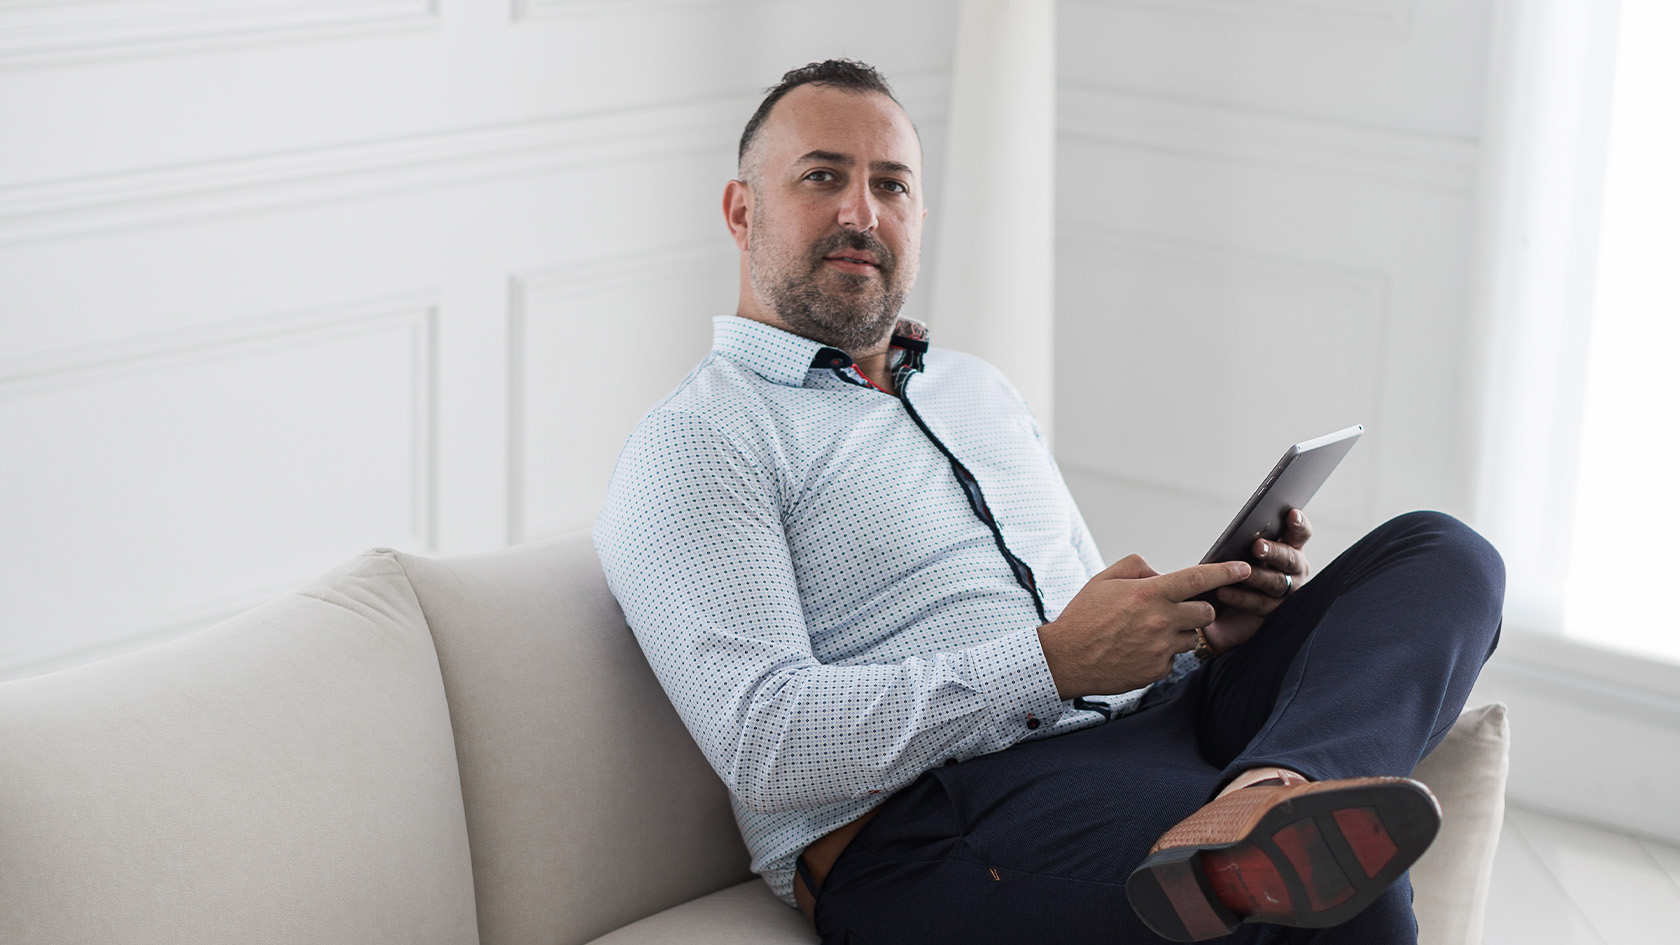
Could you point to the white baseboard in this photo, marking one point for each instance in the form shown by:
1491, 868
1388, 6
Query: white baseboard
1595, 735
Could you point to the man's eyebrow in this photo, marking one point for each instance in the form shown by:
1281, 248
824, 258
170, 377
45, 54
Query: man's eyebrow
820, 156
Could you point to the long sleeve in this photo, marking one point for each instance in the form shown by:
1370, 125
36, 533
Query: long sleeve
820, 600
694, 543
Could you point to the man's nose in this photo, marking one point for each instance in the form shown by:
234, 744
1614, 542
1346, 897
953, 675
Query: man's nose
857, 207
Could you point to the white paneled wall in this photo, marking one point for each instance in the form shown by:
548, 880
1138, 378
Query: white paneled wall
1266, 213
280, 281
562, 446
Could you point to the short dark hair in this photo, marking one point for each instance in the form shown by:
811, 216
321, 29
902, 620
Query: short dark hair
840, 73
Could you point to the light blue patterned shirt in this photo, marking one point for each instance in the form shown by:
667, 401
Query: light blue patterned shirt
823, 605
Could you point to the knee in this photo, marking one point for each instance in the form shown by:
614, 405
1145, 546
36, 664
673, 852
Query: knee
1459, 557
1459, 544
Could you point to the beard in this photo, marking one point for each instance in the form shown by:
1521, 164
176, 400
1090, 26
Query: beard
854, 312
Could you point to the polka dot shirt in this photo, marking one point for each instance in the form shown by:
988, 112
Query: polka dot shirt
825, 607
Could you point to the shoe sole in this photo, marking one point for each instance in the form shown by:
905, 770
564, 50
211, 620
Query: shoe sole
1313, 860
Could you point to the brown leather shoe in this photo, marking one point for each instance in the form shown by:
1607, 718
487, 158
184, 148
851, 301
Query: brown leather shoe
1311, 854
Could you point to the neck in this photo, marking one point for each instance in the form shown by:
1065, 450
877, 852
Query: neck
873, 362
874, 367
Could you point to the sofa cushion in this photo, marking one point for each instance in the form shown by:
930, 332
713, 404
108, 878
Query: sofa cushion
744, 914
285, 776
588, 804
1467, 773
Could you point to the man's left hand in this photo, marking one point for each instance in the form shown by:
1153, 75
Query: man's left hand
1280, 567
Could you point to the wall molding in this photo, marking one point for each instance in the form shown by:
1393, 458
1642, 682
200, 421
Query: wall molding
548, 9
1366, 16
38, 661
415, 313
1628, 684
577, 277
39, 33
1596, 734
239, 186
151, 197
1147, 123
1370, 292
1104, 245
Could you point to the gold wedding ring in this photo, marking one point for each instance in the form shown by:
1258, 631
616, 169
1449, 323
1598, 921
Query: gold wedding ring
1202, 651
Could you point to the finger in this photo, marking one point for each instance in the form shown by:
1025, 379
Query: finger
1199, 579
1296, 529
1130, 567
1251, 601
1271, 582
1192, 615
1189, 639
1277, 556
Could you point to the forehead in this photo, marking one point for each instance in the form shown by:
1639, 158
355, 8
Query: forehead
865, 125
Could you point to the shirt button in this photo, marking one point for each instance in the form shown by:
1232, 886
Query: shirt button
1032, 722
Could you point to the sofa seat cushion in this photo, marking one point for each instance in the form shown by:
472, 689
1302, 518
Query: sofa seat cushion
285, 776
1466, 771
744, 914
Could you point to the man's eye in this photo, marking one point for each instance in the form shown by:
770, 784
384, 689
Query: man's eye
895, 186
821, 177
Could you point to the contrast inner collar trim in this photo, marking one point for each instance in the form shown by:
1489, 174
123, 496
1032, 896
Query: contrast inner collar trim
783, 357
909, 344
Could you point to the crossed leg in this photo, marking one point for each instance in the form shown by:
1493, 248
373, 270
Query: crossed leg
1360, 673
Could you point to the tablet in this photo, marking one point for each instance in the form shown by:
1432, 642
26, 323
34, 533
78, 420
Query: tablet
1291, 483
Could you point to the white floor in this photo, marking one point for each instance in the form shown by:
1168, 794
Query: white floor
1558, 882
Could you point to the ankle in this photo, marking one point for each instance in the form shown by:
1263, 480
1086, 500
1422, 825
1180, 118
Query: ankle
1251, 776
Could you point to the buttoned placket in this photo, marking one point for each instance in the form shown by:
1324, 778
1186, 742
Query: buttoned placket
908, 365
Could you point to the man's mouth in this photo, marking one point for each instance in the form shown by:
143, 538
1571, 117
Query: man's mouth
851, 262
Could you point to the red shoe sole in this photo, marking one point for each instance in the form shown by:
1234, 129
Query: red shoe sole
1312, 861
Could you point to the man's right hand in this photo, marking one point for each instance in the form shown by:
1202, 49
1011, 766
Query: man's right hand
1123, 628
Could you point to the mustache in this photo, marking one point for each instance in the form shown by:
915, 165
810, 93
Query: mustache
857, 239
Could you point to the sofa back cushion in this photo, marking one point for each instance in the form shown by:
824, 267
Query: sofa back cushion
286, 776
588, 805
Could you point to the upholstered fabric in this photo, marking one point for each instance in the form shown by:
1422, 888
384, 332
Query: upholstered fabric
588, 805
287, 776
1467, 773
745, 914
296, 775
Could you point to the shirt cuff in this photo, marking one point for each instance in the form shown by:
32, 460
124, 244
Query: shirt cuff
1012, 672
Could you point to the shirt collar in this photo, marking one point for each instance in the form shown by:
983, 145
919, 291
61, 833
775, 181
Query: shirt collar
783, 357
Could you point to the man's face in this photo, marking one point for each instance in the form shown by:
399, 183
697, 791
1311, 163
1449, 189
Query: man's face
835, 234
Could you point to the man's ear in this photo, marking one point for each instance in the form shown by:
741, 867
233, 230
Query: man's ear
737, 211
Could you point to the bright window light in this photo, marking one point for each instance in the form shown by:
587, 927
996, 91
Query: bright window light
1627, 517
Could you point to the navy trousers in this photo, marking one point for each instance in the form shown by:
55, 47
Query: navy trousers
1360, 672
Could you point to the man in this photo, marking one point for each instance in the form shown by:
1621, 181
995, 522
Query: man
856, 571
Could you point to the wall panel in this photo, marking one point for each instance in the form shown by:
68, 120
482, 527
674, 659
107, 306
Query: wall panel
136, 472
189, 192
1265, 236
1204, 337
594, 344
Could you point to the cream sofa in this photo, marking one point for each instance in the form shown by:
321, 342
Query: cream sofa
414, 750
